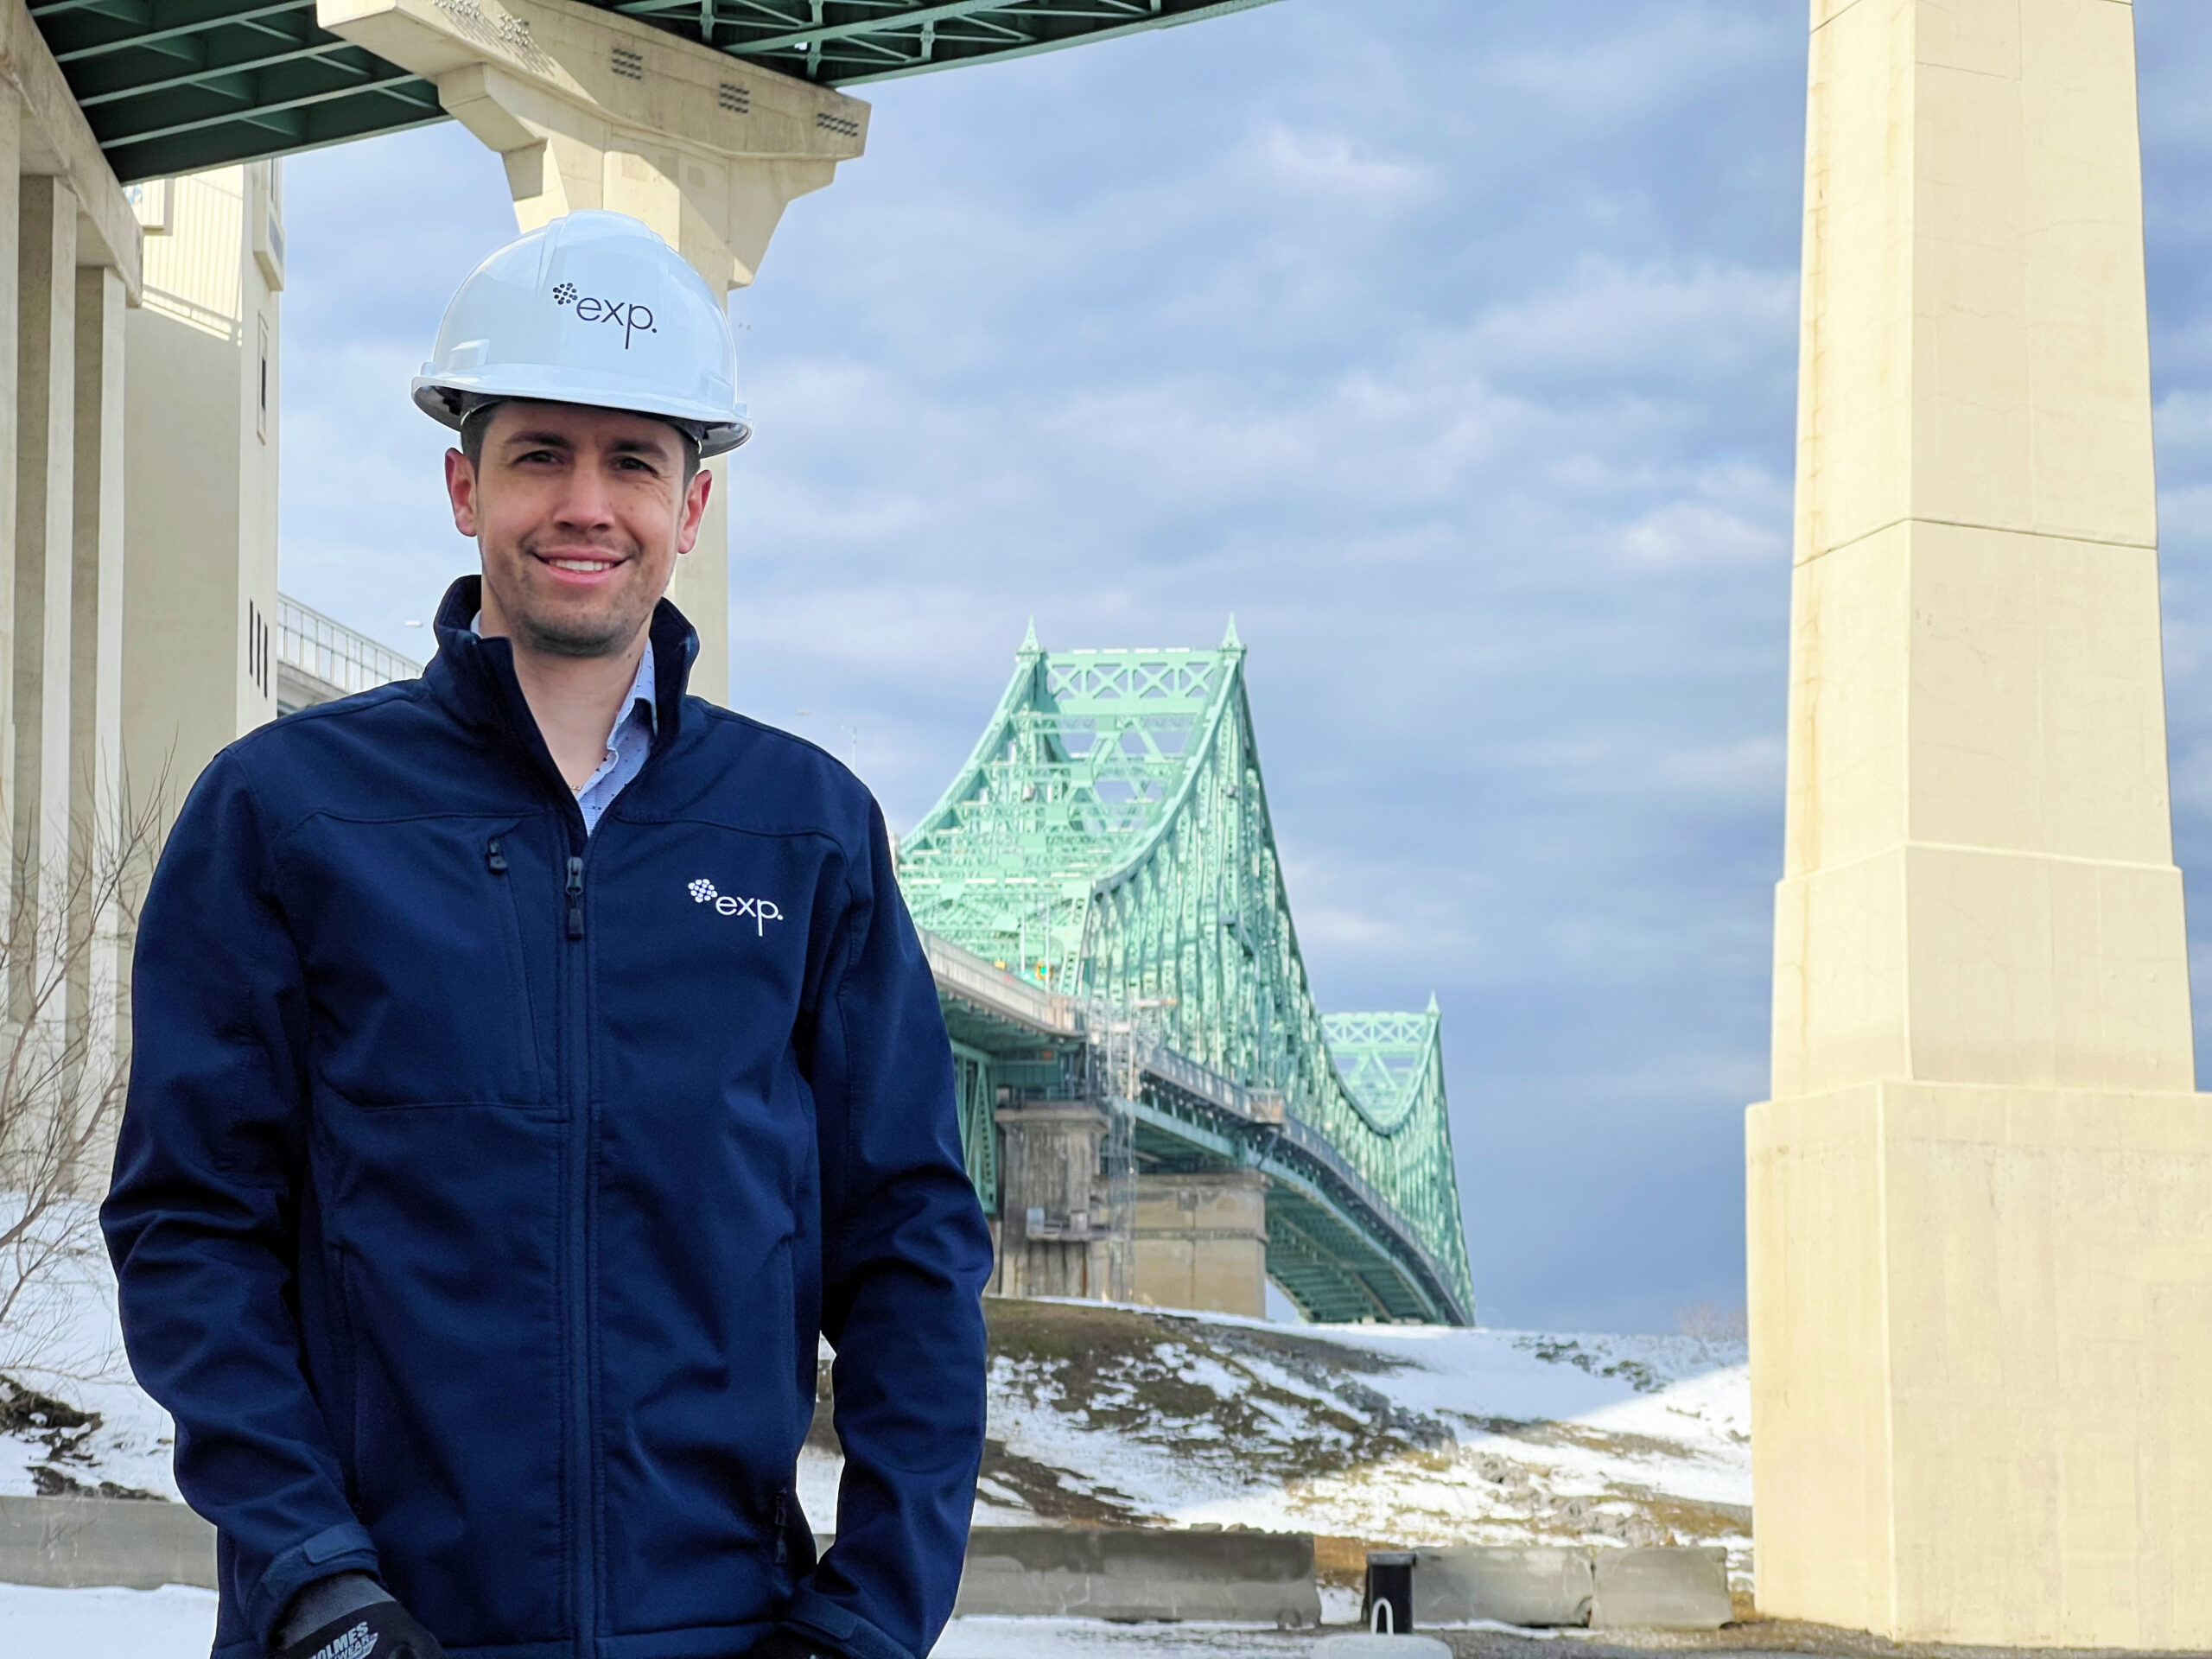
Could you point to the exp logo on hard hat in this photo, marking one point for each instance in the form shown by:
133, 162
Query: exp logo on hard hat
633, 316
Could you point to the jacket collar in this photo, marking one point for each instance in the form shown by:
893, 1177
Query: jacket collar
475, 678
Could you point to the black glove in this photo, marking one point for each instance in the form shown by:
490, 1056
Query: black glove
782, 1645
383, 1631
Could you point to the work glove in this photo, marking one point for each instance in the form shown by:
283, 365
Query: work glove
782, 1645
383, 1631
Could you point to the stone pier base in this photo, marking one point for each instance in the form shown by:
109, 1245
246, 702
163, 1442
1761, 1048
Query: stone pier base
1201, 1241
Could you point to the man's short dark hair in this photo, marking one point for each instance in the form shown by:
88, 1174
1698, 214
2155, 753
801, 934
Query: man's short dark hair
473, 423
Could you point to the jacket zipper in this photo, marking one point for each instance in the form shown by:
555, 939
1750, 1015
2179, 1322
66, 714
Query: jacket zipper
583, 1531
574, 1052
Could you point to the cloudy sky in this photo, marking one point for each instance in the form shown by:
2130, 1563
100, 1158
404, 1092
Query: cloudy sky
1451, 346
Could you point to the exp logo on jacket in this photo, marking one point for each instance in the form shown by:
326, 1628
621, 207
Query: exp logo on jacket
762, 910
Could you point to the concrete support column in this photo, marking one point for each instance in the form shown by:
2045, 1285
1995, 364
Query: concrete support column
591, 109
1980, 1200
102, 821
1201, 1241
11, 182
1055, 1238
46, 360
67, 230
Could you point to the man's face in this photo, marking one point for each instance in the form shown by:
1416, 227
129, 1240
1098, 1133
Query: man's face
580, 514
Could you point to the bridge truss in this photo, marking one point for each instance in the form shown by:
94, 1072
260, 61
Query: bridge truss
1109, 843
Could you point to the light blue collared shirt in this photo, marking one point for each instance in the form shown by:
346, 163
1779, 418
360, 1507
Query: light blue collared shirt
627, 745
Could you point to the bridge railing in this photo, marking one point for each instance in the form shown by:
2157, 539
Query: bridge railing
332, 659
991, 987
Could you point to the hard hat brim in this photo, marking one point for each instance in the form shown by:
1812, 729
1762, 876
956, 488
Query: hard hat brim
449, 398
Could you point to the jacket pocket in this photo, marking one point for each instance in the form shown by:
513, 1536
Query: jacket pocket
343, 1413
450, 1405
415, 946
696, 1408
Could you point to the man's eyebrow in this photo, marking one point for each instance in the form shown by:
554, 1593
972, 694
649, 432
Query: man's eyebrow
536, 439
658, 451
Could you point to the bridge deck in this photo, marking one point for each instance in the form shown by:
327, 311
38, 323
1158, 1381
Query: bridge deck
1332, 1234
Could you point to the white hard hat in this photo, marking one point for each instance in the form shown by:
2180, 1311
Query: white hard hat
593, 309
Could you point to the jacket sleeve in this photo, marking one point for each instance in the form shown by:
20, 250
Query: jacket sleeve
906, 1255
201, 1220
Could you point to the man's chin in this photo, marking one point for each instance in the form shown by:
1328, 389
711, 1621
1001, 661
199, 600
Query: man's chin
573, 635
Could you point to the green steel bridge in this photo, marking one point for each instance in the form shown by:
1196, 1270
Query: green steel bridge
1105, 862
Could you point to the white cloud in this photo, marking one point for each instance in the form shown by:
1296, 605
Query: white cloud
1334, 164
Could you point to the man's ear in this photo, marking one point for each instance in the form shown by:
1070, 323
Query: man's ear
461, 490
695, 508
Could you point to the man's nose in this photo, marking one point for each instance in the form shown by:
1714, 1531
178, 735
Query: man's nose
587, 503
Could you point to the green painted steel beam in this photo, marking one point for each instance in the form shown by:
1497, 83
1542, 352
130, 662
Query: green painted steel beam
172, 86
1109, 839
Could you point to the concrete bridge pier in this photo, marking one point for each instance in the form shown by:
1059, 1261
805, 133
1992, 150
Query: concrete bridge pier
1981, 1199
1198, 1241
1055, 1238
1201, 1241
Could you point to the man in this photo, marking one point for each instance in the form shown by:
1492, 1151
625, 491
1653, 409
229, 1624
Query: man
529, 1061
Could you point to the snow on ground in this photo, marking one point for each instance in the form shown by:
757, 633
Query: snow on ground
1396, 1434
72, 1420
1074, 1638
170, 1623
174, 1623
1364, 1435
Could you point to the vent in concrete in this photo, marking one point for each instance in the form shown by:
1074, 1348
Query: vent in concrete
629, 64
843, 126
736, 100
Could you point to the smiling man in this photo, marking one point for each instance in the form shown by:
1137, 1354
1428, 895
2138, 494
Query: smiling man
530, 1063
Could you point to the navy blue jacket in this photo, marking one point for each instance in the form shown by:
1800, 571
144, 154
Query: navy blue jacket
482, 1187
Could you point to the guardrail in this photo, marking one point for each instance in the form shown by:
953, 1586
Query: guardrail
992, 989
326, 649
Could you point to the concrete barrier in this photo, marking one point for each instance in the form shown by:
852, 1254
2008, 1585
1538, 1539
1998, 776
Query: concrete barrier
73, 1543
1661, 1589
1266, 1578
1538, 1584
1096, 1572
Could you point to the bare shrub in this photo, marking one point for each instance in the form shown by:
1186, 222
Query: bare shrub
64, 1062
1710, 1322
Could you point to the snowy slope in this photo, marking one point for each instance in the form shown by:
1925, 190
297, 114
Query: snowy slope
71, 1421
1106, 1415
1399, 1434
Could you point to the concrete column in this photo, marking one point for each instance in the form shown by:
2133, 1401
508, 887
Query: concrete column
1980, 1200
1054, 1238
591, 109
1201, 1241
46, 354
11, 162
700, 589
101, 819
200, 468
